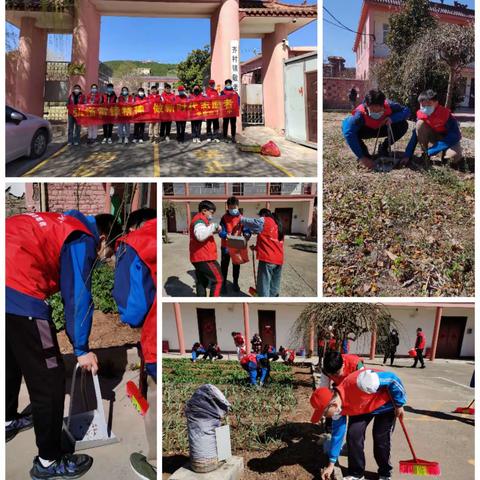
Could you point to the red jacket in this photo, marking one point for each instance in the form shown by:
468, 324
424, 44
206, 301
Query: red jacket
269, 248
201, 251
437, 121
232, 225
350, 365
239, 340
33, 246
155, 98
144, 242
357, 402
421, 341
369, 121
96, 97
251, 357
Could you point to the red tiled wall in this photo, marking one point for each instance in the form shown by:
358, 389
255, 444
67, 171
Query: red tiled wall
336, 90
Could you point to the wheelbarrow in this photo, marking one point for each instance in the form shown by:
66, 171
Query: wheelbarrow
87, 429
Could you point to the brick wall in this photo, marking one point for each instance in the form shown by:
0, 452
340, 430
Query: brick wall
89, 198
336, 90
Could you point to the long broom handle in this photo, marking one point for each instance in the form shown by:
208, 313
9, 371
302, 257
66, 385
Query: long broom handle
471, 403
404, 428
254, 270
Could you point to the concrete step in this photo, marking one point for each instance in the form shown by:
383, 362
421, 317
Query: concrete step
232, 469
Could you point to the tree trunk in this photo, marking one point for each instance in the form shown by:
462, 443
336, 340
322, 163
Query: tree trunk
451, 82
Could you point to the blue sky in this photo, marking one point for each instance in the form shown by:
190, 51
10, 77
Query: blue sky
166, 40
337, 41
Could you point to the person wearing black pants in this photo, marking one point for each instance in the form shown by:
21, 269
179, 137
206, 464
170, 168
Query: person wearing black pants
139, 128
228, 92
181, 131
196, 130
32, 351
383, 426
108, 98
225, 263
420, 343
391, 346
165, 128
209, 276
233, 128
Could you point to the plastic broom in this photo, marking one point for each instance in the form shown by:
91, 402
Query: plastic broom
468, 410
417, 466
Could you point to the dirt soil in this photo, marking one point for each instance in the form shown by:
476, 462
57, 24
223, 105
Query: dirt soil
298, 457
403, 233
107, 331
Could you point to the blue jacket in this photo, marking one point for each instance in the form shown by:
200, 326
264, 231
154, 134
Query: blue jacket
77, 260
339, 427
353, 123
451, 138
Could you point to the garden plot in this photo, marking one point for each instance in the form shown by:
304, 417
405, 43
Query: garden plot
269, 426
403, 233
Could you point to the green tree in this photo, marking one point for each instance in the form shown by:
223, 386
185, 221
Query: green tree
195, 68
411, 23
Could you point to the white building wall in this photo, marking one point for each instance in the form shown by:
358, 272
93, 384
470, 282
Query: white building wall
250, 209
229, 317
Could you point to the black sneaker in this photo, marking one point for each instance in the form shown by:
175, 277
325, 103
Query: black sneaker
69, 466
18, 425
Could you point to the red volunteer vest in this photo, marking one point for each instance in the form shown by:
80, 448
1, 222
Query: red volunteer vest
369, 121
423, 341
169, 97
350, 363
33, 245
251, 357
232, 225
109, 99
437, 121
269, 248
94, 98
181, 99
81, 99
144, 242
201, 251
155, 97
239, 340
211, 92
356, 401
129, 99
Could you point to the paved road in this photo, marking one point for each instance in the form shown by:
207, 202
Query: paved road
299, 274
169, 159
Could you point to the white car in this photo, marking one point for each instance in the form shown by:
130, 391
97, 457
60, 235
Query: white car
26, 135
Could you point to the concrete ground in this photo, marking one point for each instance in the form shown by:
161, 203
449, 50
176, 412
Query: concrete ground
109, 461
299, 275
170, 159
437, 433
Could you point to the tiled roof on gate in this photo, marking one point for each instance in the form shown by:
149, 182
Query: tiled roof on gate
273, 8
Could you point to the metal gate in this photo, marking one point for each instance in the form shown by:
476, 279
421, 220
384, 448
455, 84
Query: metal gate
252, 104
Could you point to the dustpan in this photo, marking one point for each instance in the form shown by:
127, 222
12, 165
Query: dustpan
87, 429
234, 241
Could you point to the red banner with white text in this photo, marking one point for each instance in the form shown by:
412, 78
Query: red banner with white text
147, 111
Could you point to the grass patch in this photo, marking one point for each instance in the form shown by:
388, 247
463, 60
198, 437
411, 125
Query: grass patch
254, 411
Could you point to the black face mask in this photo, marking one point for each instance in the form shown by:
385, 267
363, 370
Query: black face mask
196, 91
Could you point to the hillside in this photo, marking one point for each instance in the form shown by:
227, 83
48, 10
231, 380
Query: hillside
123, 67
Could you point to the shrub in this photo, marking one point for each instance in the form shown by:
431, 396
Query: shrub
102, 286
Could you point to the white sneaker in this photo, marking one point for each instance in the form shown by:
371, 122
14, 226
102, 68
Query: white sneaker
76, 144
109, 141
141, 140
194, 140
198, 140
126, 140
209, 140
104, 141
134, 140
69, 144
384, 478
120, 140
351, 477
167, 139
217, 140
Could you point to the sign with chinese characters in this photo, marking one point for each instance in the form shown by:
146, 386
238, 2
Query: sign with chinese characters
155, 111
235, 64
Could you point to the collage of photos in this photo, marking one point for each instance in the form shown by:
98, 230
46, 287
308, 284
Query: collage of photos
335, 231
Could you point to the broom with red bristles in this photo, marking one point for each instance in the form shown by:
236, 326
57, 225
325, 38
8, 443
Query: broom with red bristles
467, 410
417, 466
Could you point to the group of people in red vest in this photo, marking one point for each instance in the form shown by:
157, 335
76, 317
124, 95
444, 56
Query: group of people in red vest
156, 131
50, 252
211, 278
436, 129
